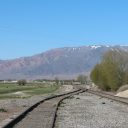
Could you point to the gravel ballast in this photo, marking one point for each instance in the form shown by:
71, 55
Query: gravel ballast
90, 111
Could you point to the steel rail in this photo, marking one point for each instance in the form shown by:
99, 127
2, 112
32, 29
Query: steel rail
21, 116
105, 95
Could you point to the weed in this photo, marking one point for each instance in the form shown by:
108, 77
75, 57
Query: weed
3, 110
71, 97
62, 104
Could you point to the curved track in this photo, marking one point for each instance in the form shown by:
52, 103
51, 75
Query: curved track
41, 114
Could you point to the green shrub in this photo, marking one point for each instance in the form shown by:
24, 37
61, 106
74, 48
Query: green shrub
3, 110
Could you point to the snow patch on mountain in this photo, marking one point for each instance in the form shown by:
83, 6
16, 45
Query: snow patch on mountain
95, 46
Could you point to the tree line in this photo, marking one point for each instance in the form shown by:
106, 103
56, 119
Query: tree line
112, 71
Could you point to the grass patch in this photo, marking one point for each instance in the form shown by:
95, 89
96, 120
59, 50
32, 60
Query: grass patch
42, 90
7, 91
10, 88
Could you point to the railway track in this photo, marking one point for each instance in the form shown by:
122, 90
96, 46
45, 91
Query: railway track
41, 114
109, 96
92, 110
106, 95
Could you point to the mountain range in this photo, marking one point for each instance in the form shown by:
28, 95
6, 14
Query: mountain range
64, 63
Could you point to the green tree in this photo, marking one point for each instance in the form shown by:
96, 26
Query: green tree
56, 80
111, 73
22, 82
98, 76
82, 79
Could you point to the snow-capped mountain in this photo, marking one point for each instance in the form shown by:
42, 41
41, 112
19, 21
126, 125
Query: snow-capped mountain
64, 63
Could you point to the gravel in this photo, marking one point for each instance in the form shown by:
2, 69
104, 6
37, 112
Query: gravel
90, 111
14, 106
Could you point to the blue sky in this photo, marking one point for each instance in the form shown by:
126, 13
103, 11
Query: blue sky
28, 27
